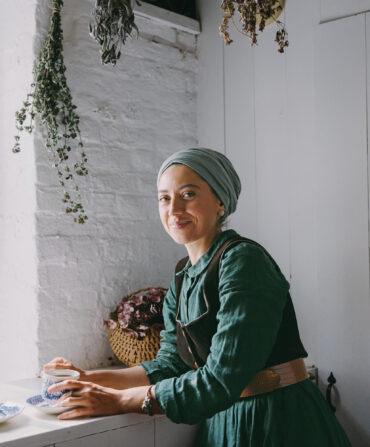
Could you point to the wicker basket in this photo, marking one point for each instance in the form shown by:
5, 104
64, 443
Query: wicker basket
130, 350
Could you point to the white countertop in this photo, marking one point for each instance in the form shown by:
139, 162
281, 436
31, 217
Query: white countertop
33, 428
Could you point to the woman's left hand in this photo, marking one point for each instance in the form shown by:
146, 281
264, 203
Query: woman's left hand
90, 399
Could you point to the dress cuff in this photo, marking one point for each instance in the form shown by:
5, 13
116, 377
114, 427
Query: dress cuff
154, 372
165, 398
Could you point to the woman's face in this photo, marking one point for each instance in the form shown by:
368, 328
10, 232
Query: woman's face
188, 208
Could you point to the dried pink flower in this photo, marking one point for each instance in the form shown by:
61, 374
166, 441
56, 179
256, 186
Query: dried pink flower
110, 324
137, 299
136, 314
127, 307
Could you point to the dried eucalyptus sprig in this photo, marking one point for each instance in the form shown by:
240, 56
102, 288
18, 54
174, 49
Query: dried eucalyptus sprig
51, 101
114, 22
254, 15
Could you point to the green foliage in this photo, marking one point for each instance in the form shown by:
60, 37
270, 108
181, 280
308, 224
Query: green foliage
51, 101
114, 22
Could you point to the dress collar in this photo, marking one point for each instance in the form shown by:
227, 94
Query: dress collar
205, 259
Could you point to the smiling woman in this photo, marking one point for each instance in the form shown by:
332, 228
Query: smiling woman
231, 357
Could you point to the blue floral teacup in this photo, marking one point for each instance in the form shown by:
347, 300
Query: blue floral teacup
53, 376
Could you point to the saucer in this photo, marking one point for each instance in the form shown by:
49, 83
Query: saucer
42, 405
9, 410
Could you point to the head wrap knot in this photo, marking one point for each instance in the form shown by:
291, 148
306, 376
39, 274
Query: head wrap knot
214, 168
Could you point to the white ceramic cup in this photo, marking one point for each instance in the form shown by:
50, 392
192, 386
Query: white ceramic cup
53, 376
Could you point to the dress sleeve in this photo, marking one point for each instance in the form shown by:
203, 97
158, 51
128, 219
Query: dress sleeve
167, 362
252, 294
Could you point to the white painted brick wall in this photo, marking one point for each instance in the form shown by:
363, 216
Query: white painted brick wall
18, 272
132, 117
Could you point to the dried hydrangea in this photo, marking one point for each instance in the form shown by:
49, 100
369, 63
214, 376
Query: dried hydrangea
136, 314
253, 17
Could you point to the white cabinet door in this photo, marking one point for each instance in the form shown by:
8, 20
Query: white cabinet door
140, 435
272, 152
331, 9
343, 325
240, 127
169, 434
99, 439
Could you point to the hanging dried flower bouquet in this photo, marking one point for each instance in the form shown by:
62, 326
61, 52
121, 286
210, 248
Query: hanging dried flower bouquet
50, 100
113, 22
254, 15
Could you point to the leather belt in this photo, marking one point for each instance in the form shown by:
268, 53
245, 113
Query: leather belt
275, 377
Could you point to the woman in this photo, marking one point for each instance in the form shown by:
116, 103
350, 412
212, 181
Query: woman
231, 355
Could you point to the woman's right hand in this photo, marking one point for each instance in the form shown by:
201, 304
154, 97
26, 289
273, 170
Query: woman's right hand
62, 363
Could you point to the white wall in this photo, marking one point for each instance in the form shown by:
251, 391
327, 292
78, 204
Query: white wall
267, 129
132, 117
18, 269
266, 122
343, 213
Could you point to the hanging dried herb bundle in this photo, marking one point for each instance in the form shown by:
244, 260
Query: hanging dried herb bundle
51, 101
114, 22
254, 16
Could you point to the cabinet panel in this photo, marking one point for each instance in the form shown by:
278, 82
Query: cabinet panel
240, 128
331, 9
367, 22
139, 435
169, 434
272, 162
133, 436
343, 326
97, 440
210, 79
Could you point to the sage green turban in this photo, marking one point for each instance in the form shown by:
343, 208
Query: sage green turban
214, 168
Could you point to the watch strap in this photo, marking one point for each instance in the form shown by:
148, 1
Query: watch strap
147, 405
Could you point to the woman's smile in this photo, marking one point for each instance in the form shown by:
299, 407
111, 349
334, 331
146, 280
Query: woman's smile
179, 225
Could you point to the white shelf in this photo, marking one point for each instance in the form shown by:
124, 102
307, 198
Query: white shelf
168, 18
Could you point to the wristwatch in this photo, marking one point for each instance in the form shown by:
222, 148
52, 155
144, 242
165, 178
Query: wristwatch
147, 406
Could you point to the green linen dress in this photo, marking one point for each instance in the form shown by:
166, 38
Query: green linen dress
252, 298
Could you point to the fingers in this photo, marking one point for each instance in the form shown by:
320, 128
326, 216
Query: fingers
71, 401
60, 359
75, 413
82, 406
68, 385
61, 363
87, 399
58, 363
